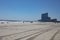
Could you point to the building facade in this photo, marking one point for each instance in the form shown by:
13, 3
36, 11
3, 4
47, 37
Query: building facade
45, 17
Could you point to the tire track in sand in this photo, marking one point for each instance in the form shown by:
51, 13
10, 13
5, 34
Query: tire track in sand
30, 37
44, 38
54, 35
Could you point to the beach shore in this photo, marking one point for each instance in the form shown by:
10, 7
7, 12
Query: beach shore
29, 31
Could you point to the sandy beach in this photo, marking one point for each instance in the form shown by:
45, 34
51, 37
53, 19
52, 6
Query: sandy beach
30, 31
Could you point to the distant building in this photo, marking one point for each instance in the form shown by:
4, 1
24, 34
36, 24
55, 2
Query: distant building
54, 20
44, 17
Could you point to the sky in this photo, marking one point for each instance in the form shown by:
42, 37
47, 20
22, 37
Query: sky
29, 9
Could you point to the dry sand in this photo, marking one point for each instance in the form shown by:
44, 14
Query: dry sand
30, 31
